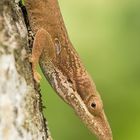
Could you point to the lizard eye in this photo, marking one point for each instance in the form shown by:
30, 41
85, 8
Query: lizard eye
93, 105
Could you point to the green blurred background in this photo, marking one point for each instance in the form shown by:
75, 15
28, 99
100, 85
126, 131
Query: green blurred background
106, 34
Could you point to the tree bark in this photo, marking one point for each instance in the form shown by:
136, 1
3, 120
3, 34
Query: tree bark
21, 114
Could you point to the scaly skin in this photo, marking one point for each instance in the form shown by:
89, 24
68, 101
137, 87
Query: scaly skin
62, 66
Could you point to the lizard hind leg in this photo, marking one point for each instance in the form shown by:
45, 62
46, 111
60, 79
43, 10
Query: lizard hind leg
42, 41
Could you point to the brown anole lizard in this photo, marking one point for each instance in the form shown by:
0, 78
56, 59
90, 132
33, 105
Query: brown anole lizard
62, 66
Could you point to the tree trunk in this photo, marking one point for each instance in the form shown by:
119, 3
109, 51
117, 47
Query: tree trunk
21, 114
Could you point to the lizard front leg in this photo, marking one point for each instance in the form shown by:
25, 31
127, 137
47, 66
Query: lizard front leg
42, 41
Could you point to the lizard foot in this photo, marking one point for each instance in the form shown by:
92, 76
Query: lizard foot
37, 77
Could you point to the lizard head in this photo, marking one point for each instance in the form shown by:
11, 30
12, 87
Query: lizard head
93, 113
99, 124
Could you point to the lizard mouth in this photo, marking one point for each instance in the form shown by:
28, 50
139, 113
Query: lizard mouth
98, 125
101, 127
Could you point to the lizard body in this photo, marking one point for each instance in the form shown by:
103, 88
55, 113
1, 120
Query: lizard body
62, 66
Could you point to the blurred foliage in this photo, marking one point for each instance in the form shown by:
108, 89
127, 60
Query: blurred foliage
106, 34
22, 1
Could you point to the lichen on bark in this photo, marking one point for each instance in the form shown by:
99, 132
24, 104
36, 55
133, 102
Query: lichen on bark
21, 114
